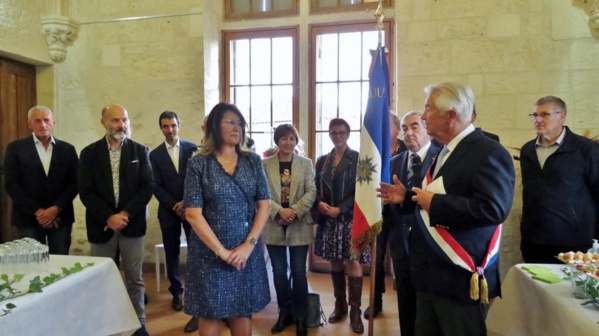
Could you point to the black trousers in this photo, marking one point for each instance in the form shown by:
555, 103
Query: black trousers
171, 233
446, 316
406, 296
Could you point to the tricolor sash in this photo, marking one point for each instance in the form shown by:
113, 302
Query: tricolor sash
446, 247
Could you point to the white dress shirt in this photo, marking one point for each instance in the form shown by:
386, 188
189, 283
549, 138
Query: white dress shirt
173, 152
44, 154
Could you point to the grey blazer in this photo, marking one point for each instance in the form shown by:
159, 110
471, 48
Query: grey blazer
301, 198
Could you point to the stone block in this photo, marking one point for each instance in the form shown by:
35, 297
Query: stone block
422, 31
473, 28
512, 83
503, 25
480, 56
466, 9
584, 54
423, 59
529, 54
496, 112
476, 83
567, 21
111, 55
422, 9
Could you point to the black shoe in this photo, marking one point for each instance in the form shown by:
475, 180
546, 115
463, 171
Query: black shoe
192, 325
301, 327
377, 310
283, 322
177, 303
141, 331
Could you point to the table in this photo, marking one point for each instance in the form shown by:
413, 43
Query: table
531, 307
91, 302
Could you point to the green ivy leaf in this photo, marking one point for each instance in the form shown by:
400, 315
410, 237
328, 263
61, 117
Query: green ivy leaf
4, 277
18, 277
35, 285
11, 305
65, 271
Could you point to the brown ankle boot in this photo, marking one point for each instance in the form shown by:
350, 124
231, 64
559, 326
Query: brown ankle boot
355, 300
340, 298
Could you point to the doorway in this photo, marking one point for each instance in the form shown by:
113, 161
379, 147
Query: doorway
17, 96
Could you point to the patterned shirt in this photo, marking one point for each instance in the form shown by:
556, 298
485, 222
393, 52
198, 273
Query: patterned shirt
115, 165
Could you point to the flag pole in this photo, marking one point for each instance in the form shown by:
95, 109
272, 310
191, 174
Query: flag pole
380, 16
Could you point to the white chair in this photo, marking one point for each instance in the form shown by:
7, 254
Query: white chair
158, 261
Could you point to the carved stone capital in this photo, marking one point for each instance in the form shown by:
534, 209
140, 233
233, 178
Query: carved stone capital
591, 7
60, 32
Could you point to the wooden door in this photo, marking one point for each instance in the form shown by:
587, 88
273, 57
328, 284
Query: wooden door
17, 96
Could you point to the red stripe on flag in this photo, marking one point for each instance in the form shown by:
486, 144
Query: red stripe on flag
360, 225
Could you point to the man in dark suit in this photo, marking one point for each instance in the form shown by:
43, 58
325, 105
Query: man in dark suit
169, 164
469, 193
41, 179
115, 185
560, 186
410, 167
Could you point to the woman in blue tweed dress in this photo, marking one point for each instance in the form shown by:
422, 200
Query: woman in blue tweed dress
227, 203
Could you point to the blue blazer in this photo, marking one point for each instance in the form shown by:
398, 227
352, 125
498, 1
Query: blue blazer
168, 182
400, 223
479, 181
30, 188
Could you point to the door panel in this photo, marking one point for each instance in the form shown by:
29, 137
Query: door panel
17, 95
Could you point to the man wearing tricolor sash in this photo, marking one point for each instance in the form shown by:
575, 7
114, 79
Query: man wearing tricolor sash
465, 196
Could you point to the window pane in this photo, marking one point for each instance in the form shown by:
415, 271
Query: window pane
260, 109
240, 62
354, 140
240, 96
326, 105
283, 4
262, 141
326, 57
323, 143
282, 60
260, 61
240, 6
282, 105
350, 60
261, 5
326, 3
349, 104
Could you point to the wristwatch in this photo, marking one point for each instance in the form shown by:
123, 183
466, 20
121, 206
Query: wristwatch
252, 241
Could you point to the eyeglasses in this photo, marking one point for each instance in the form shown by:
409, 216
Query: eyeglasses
543, 115
231, 123
333, 134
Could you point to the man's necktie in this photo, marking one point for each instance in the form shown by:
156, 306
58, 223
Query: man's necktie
439, 160
414, 178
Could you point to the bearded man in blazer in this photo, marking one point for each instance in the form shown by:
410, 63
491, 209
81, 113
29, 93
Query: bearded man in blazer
169, 164
115, 185
418, 158
41, 179
468, 195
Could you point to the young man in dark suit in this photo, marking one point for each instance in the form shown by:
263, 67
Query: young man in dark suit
41, 179
115, 185
469, 194
169, 164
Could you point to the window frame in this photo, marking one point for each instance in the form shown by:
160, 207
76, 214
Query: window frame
315, 9
341, 27
285, 31
229, 16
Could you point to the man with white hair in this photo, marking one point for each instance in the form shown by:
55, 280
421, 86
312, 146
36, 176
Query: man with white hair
41, 179
466, 195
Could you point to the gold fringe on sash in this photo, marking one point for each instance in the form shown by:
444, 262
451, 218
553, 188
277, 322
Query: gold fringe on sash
484, 291
475, 293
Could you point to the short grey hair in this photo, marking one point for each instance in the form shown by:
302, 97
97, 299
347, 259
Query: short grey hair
38, 108
409, 114
453, 96
395, 118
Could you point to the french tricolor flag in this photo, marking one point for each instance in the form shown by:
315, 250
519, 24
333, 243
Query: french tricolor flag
373, 163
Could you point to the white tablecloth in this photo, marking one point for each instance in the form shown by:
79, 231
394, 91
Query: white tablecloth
91, 302
530, 307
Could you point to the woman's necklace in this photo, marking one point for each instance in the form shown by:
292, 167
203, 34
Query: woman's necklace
223, 161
